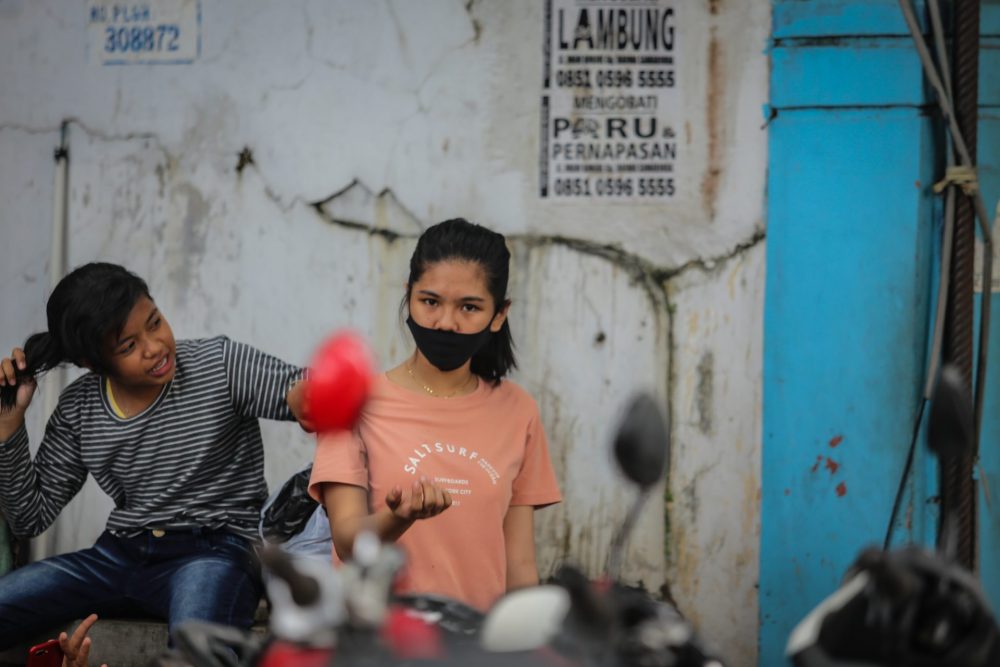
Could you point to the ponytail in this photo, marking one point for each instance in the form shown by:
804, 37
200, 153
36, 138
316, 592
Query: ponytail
496, 358
41, 353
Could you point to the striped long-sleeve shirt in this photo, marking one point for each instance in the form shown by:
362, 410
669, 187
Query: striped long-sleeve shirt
193, 458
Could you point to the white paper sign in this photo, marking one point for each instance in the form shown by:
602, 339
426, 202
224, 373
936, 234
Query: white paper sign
610, 101
166, 32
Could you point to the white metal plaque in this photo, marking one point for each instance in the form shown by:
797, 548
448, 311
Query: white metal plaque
141, 33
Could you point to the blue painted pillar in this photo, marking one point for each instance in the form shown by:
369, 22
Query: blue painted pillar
989, 176
850, 250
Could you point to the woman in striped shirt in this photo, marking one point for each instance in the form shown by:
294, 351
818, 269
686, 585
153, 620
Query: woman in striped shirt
169, 429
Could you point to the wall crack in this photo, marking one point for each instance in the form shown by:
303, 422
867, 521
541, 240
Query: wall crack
93, 133
711, 263
653, 278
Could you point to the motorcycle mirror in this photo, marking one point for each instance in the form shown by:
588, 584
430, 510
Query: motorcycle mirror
525, 619
951, 425
338, 382
950, 435
642, 444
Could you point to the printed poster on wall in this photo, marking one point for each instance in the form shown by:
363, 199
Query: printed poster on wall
610, 107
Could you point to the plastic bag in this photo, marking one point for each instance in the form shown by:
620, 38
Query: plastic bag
289, 510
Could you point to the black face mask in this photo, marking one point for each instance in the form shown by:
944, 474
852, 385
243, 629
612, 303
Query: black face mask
447, 350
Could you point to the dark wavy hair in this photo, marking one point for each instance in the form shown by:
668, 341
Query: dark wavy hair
459, 239
90, 303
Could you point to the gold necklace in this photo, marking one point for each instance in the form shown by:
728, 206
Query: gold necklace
409, 371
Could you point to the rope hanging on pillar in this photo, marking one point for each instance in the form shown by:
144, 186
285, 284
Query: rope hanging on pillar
958, 244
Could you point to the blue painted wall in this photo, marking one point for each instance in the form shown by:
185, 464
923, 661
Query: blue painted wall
850, 254
851, 260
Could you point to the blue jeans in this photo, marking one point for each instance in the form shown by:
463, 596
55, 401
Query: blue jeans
181, 576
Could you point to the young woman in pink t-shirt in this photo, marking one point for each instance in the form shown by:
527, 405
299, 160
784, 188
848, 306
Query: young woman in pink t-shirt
449, 459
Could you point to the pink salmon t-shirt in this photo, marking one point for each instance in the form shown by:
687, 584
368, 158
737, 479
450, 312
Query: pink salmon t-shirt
487, 448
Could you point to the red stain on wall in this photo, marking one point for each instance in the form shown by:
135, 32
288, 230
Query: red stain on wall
819, 460
841, 490
832, 466
836, 440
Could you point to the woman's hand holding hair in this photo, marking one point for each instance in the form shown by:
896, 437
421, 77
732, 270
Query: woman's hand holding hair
423, 500
11, 420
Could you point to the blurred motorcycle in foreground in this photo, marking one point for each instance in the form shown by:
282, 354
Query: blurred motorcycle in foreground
350, 616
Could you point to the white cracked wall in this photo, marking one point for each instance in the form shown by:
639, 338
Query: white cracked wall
391, 116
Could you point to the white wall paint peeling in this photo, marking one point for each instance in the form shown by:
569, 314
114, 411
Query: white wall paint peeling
411, 113
714, 512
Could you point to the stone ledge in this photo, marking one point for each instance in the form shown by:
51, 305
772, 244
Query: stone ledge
117, 642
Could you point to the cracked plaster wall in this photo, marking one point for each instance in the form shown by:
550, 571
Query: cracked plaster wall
367, 122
